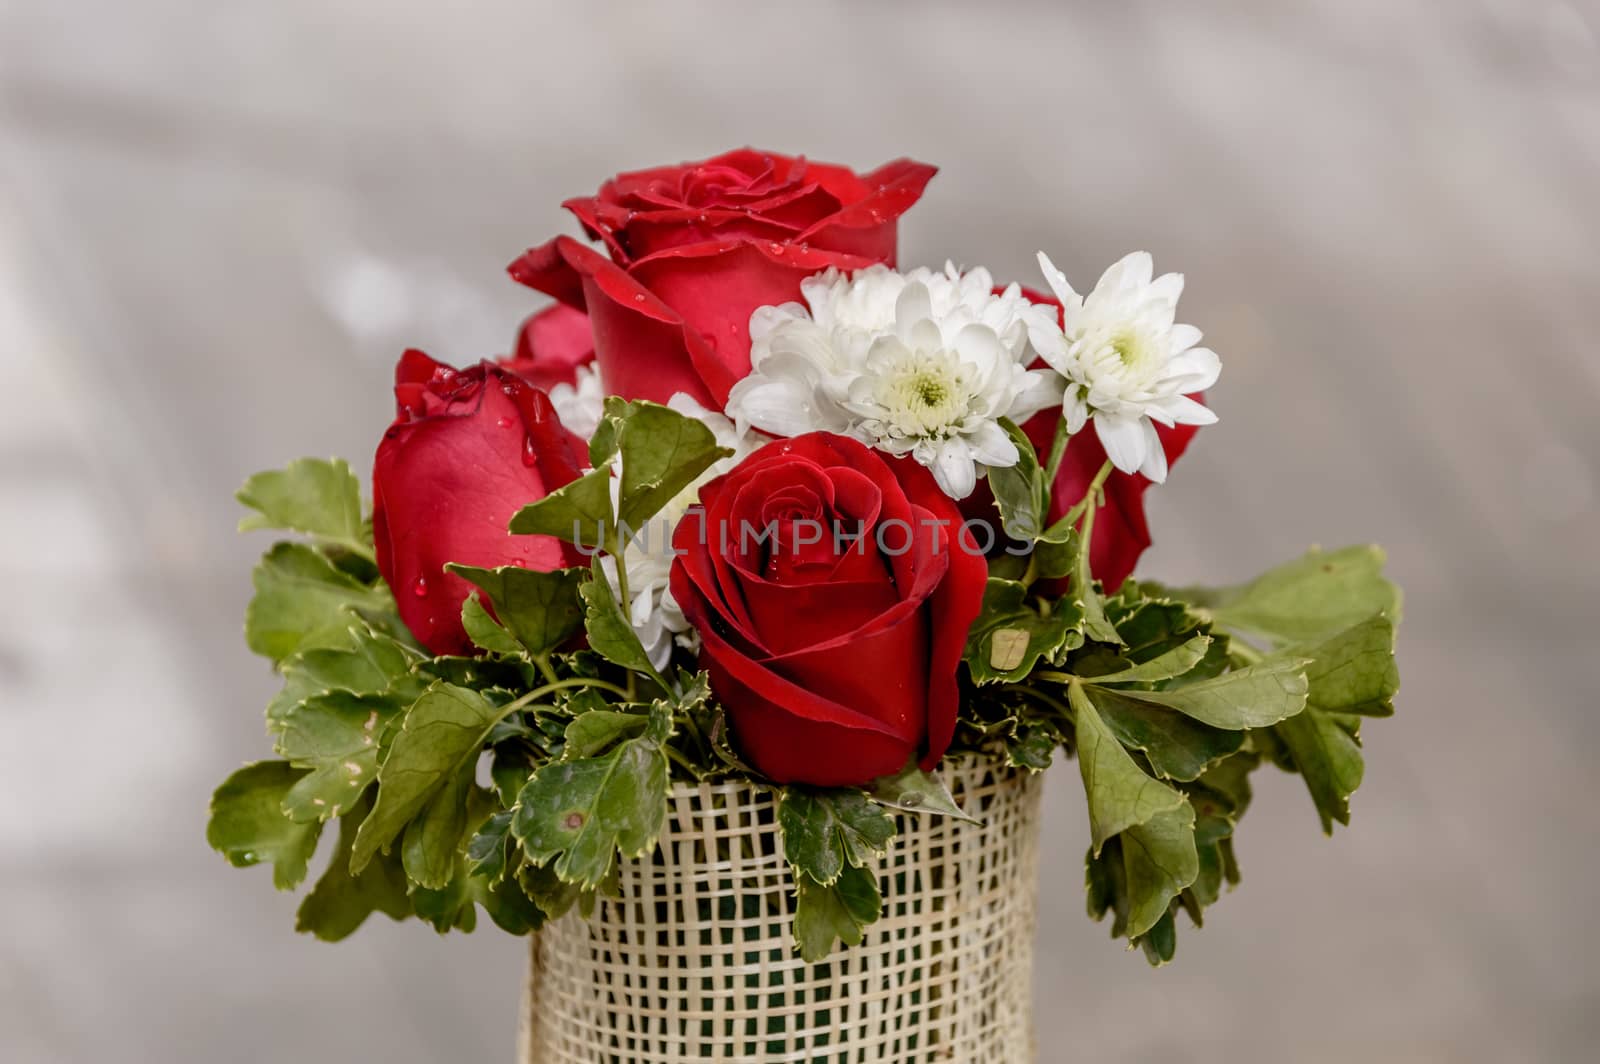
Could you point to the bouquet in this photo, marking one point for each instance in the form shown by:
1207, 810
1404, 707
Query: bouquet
748, 503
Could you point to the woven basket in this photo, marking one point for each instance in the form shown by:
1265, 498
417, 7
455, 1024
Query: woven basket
694, 959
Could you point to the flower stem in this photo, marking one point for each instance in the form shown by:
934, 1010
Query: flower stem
1058, 451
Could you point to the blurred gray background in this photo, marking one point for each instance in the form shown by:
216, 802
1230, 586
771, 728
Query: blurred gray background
221, 222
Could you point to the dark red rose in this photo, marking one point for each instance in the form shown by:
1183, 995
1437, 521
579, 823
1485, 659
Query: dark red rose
468, 448
552, 346
832, 588
696, 248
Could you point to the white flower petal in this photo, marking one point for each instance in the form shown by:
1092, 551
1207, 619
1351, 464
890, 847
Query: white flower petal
992, 446
1155, 461
1195, 370
1075, 410
1057, 281
1041, 390
954, 470
1183, 338
1182, 410
1124, 440
1132, 271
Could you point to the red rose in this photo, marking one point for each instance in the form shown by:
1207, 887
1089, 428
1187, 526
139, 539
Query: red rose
552, 346
468, 448
832, 589
696, 248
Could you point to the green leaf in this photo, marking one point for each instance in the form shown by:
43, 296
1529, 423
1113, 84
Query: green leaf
1161, 941
1253, 697
1306, 599
1354, 671
553, 897
584, 812
1159, 861
825, 831
1020, 491
610, 634
1088, 594
915, 791
247, 825
1032, 748
484, 631
541, 609
1010, 635
299, 595
338, 903
440, 735
836, 911
317, 497
663, 452
1328, 758
433, 841
489, 852
1175, 662
577, 513
592, 732
1177, 747
368, 663
334, 736
1120, 794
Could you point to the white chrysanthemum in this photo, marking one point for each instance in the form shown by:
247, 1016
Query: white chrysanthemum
923, 363
580, 405
1126, 362
652, 610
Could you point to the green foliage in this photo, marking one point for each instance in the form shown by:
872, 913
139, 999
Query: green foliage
301, 601
1012, 634
316, 497
662, 453
1021, 491
340, 902
834, 912
912, 790
582, 813
610, 634
485, 632
334, 736
539, 609
247, 825
1308, 598
578, 513
826, 831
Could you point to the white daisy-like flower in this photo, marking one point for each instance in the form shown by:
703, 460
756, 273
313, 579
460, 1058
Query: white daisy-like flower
652, 610
580, 405
1126, 362
923, 363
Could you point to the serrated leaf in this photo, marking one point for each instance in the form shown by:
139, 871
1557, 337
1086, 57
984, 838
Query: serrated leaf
541, 609
299, 595
489, 851
1087, 593
915, 791
610, 634
432, 842
1177, 747
577, 513
439, 736
320, 498
582, 813
547, 891
1308, 598
338, 903
826, 831
1328, 758
1253, 697
662, 452
837, 911
247, 825
335, 737
1159, 860
1354, 671
595, 730
1010, 635
1032, 748
484, 631
367, 663
1175, 662
1120, 794
509, 907
1161, 941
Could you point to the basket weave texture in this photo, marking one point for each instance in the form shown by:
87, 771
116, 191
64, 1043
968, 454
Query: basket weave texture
694, 959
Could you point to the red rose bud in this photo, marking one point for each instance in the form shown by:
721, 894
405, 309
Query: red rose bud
832, 588
468, 448
551, 347
696, 248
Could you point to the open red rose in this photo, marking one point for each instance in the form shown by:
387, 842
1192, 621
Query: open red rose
696, 248
468, 448
832, 588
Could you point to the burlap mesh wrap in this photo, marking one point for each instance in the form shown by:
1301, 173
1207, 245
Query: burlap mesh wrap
694, 960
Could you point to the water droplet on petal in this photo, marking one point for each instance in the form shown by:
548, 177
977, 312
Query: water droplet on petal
639, 298
504, 422
420, 588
